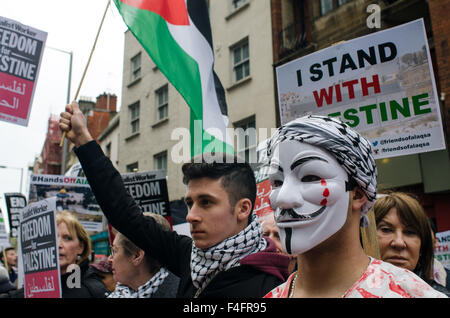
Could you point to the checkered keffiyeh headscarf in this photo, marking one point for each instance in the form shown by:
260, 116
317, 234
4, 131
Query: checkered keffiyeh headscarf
206, 263
352, 151
145, 291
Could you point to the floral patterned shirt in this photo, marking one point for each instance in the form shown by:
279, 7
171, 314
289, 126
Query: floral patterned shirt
380, 280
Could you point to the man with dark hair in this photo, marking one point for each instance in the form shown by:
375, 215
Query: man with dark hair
237, 178
227, 255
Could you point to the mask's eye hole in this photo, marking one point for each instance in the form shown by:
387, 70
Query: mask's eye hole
310, 178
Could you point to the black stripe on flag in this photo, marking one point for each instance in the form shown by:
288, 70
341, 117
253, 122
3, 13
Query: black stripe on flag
199, 14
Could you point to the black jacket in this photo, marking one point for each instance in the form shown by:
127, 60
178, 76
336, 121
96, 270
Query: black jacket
91, 285
251, 279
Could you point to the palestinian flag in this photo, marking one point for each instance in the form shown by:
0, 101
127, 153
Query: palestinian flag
177, 36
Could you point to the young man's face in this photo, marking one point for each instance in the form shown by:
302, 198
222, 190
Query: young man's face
308, 195
212, 219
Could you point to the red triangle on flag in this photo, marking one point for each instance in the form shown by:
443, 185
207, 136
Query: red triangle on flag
173, 11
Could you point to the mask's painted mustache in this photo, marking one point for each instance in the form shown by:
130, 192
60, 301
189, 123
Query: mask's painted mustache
294, 215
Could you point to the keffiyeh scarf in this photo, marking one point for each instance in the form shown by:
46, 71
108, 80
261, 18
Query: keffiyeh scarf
352, 151
144, 291
205, 264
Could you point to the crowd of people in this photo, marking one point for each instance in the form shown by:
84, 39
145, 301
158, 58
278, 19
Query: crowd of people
323, 179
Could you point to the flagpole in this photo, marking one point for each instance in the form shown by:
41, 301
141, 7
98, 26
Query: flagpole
87, 65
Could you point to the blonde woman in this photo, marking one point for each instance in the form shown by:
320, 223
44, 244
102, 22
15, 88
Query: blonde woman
78, 279
74, 247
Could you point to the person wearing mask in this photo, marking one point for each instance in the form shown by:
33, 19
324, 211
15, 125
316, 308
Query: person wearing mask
323, 178
226, 255
405, 237
138, 274
78, 280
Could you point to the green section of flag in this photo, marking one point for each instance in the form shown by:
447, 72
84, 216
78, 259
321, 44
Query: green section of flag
202, 141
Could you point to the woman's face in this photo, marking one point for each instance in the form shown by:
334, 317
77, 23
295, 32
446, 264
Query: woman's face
122, 267
399, 244
69, 247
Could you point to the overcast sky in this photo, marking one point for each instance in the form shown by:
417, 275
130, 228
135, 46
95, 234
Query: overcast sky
71, 26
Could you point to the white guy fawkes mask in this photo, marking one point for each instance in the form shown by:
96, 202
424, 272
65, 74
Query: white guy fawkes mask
308, 195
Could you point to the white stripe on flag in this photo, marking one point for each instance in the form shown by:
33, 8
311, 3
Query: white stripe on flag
195, 45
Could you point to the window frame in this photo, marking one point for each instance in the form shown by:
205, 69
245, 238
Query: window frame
134, 118
130, 167
164, 104
136, 73
236, 4
157, 157
335, 4
249, 149
242, 62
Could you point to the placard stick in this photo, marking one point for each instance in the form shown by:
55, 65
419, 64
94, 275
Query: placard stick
87, 65
370, 237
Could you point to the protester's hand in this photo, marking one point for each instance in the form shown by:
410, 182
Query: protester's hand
73, 122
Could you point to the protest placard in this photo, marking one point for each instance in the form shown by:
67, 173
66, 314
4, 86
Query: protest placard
21, 50
263, 187
15, 202
381, 84
262, 201
4, 239
39, 248
149, 190
442, 250
73, 194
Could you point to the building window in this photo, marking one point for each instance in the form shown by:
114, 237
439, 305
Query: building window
246, 143
342, 2
326, 6
134, 167
238, 3
162, 102
108, 150
136, 67
160, 161
241, 61
134, 110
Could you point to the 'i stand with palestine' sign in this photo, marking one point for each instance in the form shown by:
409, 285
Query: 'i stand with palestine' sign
381, 84
39, 245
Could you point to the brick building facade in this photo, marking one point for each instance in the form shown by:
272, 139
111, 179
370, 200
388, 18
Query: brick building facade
51, 152
98, 115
